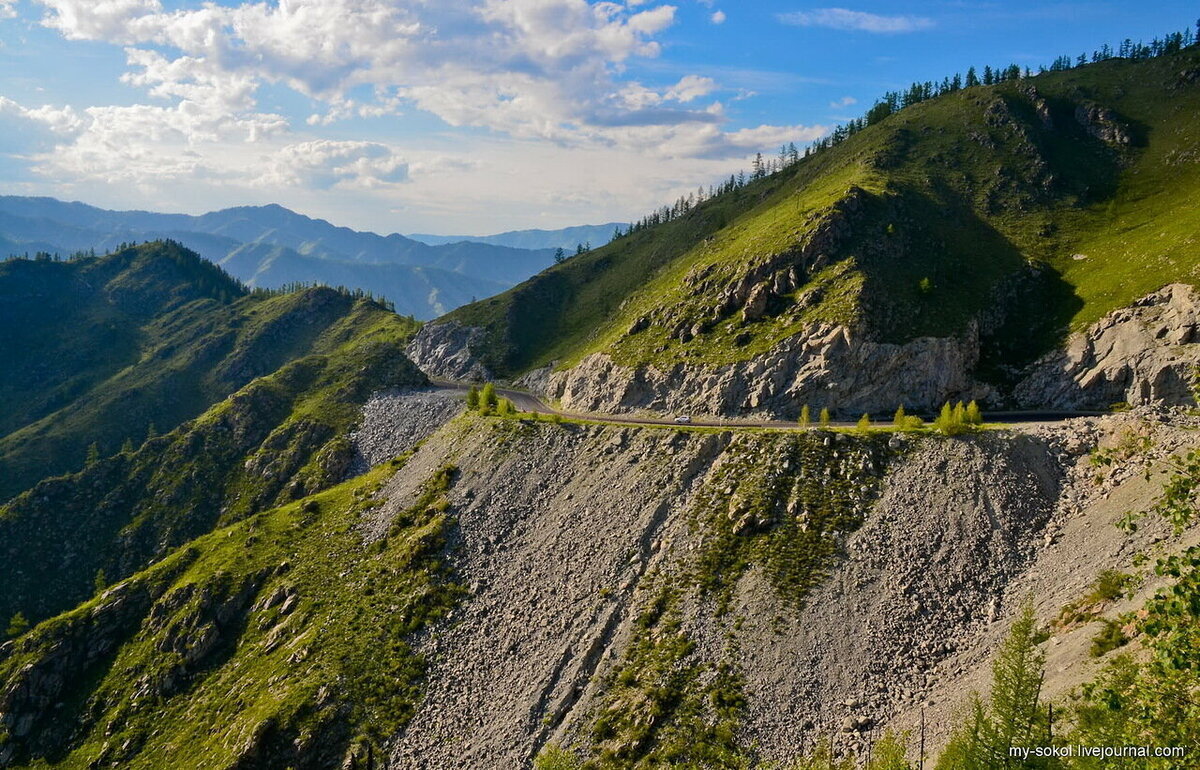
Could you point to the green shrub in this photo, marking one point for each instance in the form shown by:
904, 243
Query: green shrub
1111, 637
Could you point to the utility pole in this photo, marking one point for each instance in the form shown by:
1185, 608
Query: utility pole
922, 767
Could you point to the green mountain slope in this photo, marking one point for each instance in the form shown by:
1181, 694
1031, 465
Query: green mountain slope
100, 350
276, 642
258, 395
1030, 207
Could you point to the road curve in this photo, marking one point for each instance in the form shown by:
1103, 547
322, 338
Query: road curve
525, 401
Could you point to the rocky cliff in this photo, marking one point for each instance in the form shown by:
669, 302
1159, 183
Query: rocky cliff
826, 366
630, 594
1142, 354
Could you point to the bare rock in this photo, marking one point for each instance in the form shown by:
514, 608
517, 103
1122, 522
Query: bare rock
1142, 354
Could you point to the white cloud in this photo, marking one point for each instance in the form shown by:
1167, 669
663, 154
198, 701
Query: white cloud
861, 21
7, 11
527, 71
59, 120
845, 101
323, 164
718, 17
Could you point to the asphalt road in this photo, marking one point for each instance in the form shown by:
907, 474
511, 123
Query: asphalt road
527, 402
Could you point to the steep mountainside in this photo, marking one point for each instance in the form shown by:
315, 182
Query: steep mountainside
639, 597
945, 247
270, 246
255, 396
101, 350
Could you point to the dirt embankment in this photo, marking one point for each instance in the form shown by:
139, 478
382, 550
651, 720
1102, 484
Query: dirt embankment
558, 526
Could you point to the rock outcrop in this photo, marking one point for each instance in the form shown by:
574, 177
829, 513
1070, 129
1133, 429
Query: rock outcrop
446, 350
1142, 354
827, 366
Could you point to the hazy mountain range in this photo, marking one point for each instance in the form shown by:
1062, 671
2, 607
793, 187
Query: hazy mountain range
271, 246
567, 238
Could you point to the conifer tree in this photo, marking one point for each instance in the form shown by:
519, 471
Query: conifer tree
472, 397
17, 626
974, 415
899, 418
93, 454
826, 419
864, 423
487, 398
805, 416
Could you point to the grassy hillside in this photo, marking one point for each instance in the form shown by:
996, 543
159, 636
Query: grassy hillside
1030, 207
280, 641
106, 350
254, 397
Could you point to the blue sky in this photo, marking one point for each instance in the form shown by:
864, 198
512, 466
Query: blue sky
472, 116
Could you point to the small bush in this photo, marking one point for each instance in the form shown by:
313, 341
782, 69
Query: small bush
1110, 638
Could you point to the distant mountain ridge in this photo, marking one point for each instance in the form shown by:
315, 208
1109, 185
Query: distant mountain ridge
566, 238
271, 246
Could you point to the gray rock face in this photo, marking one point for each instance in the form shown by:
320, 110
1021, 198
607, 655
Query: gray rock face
1142, 354
825, 367
446, 350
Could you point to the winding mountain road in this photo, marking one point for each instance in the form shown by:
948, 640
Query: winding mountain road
525, 401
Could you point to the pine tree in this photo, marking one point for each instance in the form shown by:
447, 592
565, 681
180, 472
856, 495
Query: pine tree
487, 398
805, 416
93, 454
974, 416
899, 419
960, 414
864, 423
17, 626
127, 446
472, 397
560, 256
972, 78
1014, 717
826, 419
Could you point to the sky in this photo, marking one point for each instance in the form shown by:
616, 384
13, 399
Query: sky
474, 116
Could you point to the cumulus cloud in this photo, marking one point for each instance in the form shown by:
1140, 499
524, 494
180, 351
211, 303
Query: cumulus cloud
59, 120
324, 163
718, 17
7, 11
860, 21
539, 73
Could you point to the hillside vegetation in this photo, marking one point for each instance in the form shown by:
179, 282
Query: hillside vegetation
108, 350
1030, 208
253, 396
